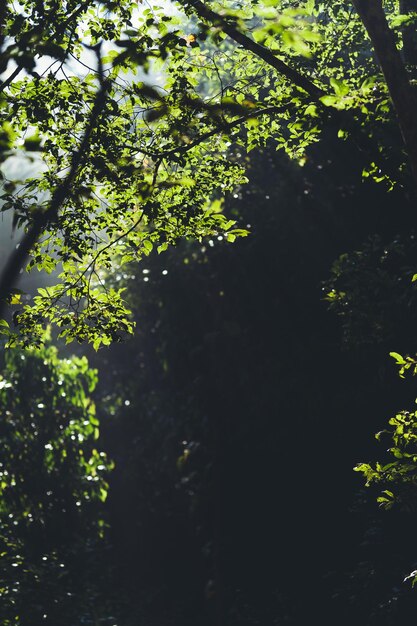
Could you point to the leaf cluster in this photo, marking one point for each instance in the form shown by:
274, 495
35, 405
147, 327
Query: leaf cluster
52, 482
141, 121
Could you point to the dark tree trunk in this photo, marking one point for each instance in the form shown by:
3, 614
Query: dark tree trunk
402, 95
409, 33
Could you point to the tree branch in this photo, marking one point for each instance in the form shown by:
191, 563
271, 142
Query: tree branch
18, 258
59, 31
373, 17
289, 72
344, 118
228, 126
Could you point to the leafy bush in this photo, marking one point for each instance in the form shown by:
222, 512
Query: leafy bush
52, 484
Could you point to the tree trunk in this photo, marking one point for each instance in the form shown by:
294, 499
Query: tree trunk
409, 33
402, 95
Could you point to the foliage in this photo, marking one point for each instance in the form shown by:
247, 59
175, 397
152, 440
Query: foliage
53, 481
399, 474
138, 145
372, 291
139, 121
393, 483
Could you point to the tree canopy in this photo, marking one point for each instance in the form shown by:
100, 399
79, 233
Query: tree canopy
127, 128
136, 120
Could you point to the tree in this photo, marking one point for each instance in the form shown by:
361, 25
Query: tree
129, 166
52, 488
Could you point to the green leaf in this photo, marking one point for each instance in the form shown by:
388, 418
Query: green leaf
148, 246
399, 359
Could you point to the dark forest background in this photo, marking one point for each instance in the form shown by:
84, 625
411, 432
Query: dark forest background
236, 414
234, 499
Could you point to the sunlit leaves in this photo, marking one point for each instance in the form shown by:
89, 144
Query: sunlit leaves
291, 30
52, 481
181, 102
398, 474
